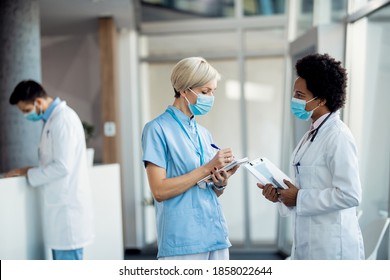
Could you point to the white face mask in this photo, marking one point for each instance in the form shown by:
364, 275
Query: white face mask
203, 105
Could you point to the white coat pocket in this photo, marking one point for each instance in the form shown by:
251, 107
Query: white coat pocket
304, 177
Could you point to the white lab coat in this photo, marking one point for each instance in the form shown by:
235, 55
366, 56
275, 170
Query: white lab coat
64, 177
324, 220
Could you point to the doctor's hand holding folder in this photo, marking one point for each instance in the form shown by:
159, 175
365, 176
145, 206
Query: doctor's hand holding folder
275, 184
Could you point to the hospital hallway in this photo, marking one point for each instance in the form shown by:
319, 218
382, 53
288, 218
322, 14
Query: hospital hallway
111, 62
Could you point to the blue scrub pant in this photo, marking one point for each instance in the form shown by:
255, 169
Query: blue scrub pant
76, 254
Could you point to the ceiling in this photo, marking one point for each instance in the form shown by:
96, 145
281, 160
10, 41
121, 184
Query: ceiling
59, 17
73, 17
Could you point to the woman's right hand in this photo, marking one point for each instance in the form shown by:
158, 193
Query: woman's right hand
221, 158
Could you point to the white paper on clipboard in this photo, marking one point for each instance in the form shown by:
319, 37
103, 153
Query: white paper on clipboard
267, 173
226, 168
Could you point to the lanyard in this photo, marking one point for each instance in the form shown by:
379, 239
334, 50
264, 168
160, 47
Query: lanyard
312, 134
198, 151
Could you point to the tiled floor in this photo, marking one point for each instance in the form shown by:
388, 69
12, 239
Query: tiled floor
240, 254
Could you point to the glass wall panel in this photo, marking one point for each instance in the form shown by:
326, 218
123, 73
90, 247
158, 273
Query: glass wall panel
168, 10
357, 4
304, 16
224, 122
264, 7
156, 95
265, 40
309, 13
368, 108
264, 91
190, 44
339, 10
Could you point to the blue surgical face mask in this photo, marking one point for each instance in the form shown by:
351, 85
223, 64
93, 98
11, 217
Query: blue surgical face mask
298, 108
203, 104
33, 116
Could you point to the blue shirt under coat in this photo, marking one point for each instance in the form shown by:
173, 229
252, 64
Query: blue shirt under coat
192, 222
47, 113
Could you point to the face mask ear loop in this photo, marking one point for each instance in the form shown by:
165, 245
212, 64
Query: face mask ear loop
311, 101
40, 108
193, 92
35, 106
185, 97
316, 108
317, 105
187, 100
188, 104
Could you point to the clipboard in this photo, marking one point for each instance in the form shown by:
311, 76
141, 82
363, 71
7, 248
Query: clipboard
267, 173
226, 168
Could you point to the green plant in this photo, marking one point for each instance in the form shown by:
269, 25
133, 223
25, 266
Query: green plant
88, 131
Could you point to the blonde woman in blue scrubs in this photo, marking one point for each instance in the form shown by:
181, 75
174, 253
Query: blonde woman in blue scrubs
177, 153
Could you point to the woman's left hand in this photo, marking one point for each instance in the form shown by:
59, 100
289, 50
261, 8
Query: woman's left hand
288, 196
220, 177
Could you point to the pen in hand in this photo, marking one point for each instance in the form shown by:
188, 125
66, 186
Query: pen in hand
215, 146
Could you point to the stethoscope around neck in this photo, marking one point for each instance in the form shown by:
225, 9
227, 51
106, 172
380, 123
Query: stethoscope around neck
315, 131
312, 137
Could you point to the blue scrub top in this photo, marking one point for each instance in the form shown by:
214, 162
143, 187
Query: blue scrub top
192, 222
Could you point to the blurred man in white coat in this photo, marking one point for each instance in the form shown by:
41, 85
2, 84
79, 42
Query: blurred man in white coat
62, 173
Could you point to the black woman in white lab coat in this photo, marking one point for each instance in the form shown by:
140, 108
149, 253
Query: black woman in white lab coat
327, 187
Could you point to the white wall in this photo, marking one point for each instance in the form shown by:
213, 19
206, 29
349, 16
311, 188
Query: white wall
71, 71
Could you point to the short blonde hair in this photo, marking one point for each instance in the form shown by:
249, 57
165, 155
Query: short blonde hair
192, 72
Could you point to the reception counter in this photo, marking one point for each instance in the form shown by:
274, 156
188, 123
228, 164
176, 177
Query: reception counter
21, 236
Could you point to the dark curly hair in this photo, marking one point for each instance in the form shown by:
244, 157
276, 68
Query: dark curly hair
325, 78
